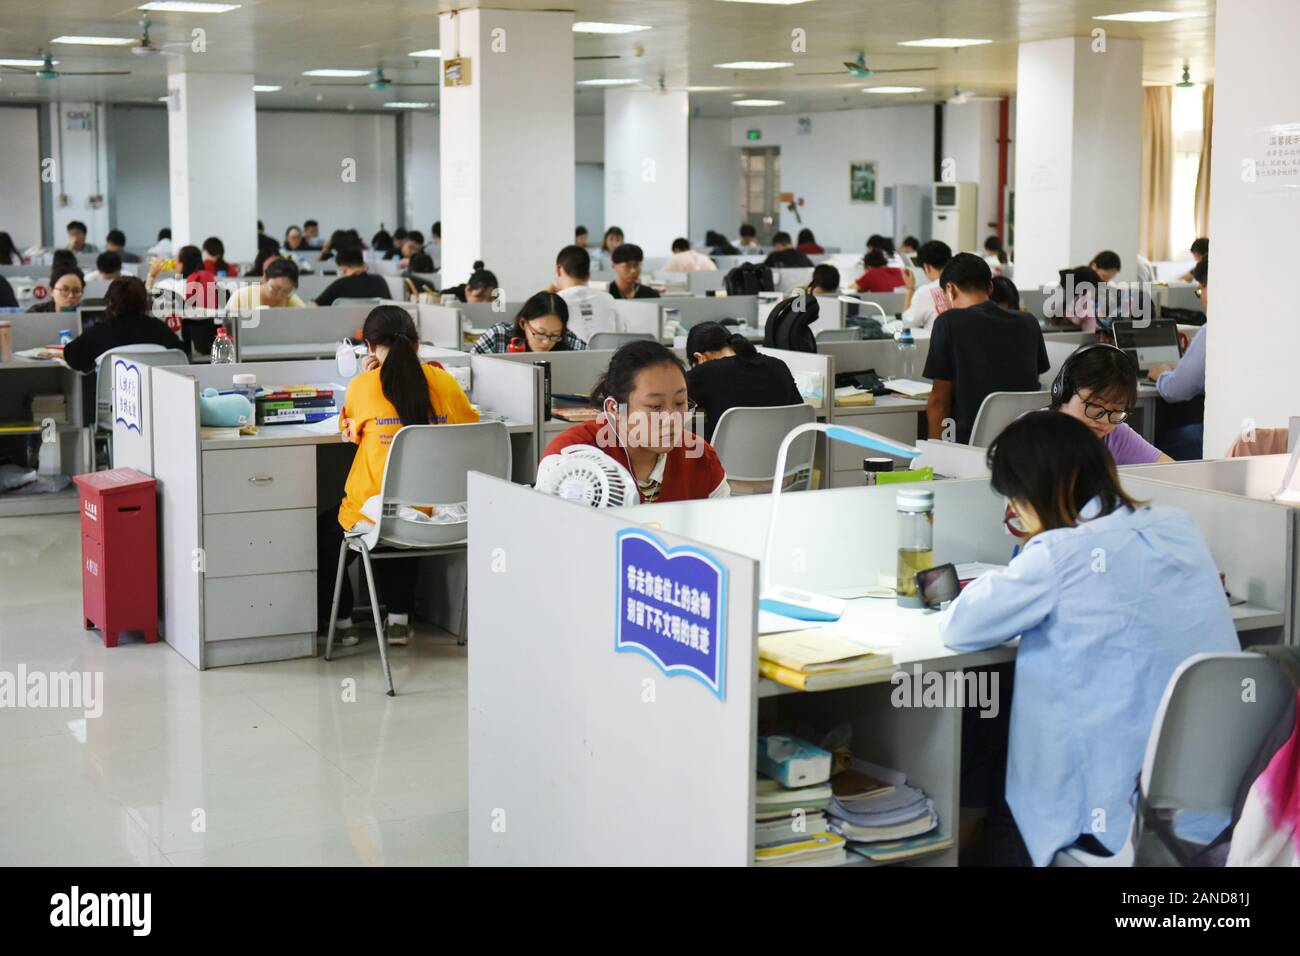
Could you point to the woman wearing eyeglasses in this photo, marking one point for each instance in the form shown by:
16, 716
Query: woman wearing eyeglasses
1098, 385
542, 325
642, 425
1108, 597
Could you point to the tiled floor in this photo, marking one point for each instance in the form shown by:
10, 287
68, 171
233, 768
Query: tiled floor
260, 764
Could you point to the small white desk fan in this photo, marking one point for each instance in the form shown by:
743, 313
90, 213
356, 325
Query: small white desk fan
588, 476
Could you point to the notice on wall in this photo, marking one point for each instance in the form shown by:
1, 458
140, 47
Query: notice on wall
672, 608
1279, 161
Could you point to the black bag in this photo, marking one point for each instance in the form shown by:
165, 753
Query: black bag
870, 328
788, 324
748, 278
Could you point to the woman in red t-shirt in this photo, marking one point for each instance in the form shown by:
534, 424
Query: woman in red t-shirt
880, 276
642, 426
214, 258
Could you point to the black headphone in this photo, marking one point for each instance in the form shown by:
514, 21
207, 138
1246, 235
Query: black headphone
1062, 387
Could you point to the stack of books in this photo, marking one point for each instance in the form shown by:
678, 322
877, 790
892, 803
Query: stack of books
53, 406
790, 828
295, 405
881, 816
817, 660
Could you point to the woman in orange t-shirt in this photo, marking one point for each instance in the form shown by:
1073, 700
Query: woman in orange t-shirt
394, 391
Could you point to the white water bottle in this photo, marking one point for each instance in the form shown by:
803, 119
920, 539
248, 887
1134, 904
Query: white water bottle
223, 348
906, 353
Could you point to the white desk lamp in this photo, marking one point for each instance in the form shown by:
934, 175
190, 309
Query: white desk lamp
793, 602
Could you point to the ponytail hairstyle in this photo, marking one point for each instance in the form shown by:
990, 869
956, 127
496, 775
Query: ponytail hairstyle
620, 378
538, 305
190, 260
217, 250
714, 337
400, 377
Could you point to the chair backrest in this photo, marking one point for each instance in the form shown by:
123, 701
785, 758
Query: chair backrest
358, 300
428, 465
143, 354
1208, 729
840, 335
613, 340
1000, 409
747, 441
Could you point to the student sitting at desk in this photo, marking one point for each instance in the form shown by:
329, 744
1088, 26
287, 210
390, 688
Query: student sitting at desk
1097, 385
728, 372
1181, 422
590, 310
9, 254
417, 285
108, 266
1005, 294
909, 247
808, 244
214, 258
355, 280
784, 255
627, 260
922, 306
825, 280
977, 348
277, 290
1096, 649
7, 298
612, 239
115, 241
126, 322
542, 325
1106, 264
481, 286
66, 290
879, 276
644, 404
686, 259
994, 254
293, 240
1200, 250
1081, 291
395, 390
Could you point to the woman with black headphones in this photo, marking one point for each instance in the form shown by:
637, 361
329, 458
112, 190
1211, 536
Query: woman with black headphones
1098, 386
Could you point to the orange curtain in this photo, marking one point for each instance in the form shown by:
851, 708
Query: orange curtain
1203, 171
1157, 172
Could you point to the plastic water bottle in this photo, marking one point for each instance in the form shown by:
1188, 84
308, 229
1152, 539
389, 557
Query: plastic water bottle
906, 353
223, 348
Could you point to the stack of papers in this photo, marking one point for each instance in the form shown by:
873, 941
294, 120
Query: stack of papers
817, 660
790, 828
874, 805
910, 387
851, 395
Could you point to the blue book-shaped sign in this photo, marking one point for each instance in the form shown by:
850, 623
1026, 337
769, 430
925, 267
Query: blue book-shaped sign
672, 608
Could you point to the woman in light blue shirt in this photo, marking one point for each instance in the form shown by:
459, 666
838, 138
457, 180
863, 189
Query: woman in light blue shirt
1108, 597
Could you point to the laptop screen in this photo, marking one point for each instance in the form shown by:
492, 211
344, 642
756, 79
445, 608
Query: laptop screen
1150, 344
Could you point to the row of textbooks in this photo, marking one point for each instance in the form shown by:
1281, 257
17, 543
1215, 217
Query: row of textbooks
806, 816
295, 405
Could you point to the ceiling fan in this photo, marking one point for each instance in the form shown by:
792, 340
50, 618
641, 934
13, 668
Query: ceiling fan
48, 72
960, 97
147, 47
859, 70
1187, 77
380, 82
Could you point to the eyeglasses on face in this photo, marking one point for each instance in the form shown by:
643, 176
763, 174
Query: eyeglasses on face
544, 336
1097, 412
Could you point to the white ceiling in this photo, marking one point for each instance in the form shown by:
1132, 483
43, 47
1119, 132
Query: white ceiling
276, 40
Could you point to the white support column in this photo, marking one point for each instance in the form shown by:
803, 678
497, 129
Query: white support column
1078, 154
506, 146
647, 166
1254, 220
79, 150
212, 145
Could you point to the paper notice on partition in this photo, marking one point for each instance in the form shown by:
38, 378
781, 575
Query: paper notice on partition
1276, 168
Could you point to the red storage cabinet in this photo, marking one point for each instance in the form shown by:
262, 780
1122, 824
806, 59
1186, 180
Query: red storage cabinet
119, 552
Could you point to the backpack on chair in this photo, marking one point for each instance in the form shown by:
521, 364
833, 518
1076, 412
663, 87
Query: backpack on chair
748, 278
788, 324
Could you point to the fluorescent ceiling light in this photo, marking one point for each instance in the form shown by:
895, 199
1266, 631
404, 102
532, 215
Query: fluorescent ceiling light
26, 62
893, 89
336, 73
434, 54
946, 42
1149, 16
188, 6
753, 65
608, 82
758, 102
164, 99
709, 89
402, 105
774, 3
95, 41
592, 26
266, 89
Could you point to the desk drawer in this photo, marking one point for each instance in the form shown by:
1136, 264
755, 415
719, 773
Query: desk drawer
260, 542
258, 605
259, 479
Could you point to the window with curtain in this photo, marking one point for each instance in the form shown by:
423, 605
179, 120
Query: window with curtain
1188, 120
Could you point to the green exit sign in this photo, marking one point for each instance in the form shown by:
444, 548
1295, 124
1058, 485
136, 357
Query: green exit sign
754, 134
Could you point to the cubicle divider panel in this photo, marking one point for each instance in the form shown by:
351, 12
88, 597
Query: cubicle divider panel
811, 370
830, 314
572, 373
640, 316
1251, 541
34, 330
440, 325
652, 769
133, 425
300, 372
880, 354
788, 280
842, 539
709, 308
314, 329
484, 315
698, 283
177, 468
1258, 477
891, 302
514, 392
